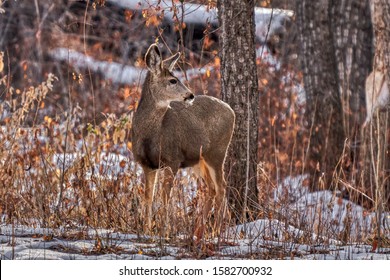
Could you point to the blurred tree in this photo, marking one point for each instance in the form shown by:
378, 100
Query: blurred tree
240, 90
335, 41
324, 112
377, 136
381, 22
351, 30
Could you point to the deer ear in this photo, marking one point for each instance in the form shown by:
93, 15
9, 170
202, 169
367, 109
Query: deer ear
153, 59
173, 60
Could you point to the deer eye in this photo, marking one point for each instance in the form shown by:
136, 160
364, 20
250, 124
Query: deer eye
173, 81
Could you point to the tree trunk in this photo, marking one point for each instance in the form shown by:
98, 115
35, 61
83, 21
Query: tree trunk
377, 140
351, 30
324, 110
352, 36
381, 23
240, 90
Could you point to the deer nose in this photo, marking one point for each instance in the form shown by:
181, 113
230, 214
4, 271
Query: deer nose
189, 96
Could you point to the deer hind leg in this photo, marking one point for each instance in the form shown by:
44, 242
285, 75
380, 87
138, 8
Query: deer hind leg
150, 182
216, 174
216, 178
205, 199
216, 192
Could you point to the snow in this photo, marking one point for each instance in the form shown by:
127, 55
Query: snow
335, 214
116, 72
272, 237
193, 13
28, 243
268, 21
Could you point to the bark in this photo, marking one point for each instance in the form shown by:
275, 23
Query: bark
324, 111
240, 90
352, 36
381, 23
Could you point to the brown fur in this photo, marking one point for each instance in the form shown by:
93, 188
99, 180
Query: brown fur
377, 94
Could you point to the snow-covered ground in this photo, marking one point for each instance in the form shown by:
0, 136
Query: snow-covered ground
321, 220
21, 242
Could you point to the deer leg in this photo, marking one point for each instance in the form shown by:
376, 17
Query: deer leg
168, 177
220, 198
167, 186
150, 181
216, 179
207, 197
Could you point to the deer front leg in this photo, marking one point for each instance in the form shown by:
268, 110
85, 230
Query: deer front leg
167, 183
150, 181
167, 186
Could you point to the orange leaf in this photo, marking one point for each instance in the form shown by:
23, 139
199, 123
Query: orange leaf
374, 244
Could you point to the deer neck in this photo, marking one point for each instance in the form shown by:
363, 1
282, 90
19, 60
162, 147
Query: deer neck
150, 111
150, 107
148, 102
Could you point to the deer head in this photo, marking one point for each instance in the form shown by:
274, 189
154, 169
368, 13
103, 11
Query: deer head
164, 87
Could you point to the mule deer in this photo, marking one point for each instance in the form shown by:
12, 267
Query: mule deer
174, 129
377, 94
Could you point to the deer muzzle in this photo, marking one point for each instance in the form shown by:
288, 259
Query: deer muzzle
189, 97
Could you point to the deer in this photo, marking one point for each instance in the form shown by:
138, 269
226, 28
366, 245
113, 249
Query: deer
377, 92
173, 129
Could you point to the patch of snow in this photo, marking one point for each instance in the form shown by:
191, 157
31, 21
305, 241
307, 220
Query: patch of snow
268, 21
291, 188
116, 72
264, 53
270, 229
326, 209
296, 87
339, 214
